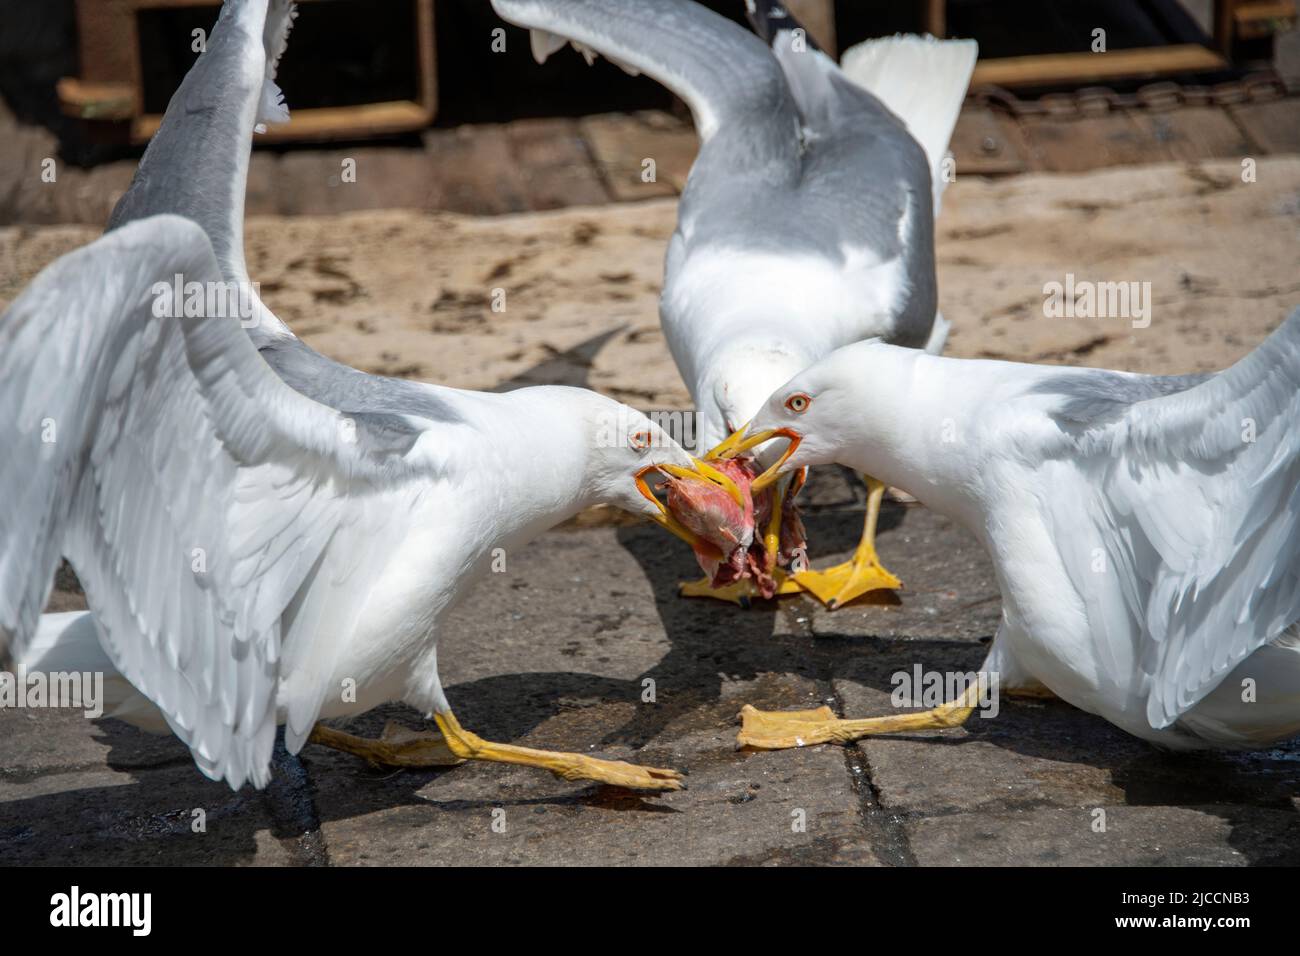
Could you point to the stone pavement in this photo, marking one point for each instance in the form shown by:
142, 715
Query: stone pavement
557, 651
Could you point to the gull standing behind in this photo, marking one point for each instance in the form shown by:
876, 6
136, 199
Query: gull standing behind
807, 221
1143, 528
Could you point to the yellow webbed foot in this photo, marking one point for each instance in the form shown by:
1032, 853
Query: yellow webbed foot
864, 573
742, 592
618, 773
568, 766
737, 592
844, 582
780, 730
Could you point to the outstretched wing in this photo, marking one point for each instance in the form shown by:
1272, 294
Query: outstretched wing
196, 165
723, 72
195, 494
1192, 496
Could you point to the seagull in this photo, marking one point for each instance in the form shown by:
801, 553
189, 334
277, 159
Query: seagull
1143, 528
807, 221
265, 536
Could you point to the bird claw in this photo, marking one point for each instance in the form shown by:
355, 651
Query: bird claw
742, 592
618, 773
846, 582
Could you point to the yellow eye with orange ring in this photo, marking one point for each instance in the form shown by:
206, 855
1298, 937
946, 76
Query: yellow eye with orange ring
798, 402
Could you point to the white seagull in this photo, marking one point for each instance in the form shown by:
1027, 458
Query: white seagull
1143, 528
267, 537
807, 221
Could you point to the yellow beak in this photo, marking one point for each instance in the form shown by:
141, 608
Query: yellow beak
698, 471
736, 443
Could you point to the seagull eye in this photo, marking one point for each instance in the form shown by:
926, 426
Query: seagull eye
798, 402
639, 440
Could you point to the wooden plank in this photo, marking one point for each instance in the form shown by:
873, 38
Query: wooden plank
622, 143
1274, 126
1223, 25
1264, 18
1075, 145
818, 18
555, 164
1052, 68
428, 57
95, 101
105, 40
986, 143
110, 56
935, 18
335, 122
1195, 132
472, 169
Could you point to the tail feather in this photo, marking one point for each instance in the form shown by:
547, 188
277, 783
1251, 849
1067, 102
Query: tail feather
923, 82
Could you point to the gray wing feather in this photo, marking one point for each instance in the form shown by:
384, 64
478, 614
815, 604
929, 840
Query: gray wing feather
196, 165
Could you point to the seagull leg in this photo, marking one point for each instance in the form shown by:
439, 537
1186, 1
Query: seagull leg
842, 583
778, 730
396, 747
569, 766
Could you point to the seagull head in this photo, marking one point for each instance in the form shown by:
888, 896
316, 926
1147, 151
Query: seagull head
626, 451
739, 379
822, 412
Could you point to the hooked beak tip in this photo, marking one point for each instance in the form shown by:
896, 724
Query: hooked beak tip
773, 473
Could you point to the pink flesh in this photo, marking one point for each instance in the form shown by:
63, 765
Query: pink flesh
709, 512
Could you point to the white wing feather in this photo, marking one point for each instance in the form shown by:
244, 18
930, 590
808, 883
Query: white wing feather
1194, 498
195, 494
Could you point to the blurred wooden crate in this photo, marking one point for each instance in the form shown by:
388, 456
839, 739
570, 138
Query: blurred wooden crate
110, 93
1231, 21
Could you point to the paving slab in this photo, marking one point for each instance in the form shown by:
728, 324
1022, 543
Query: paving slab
1134, 836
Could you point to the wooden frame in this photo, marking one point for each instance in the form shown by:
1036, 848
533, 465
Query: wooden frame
1052, 68
111, 88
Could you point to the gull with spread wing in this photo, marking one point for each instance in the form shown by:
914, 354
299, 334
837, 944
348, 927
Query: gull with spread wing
1143, 528
266, 536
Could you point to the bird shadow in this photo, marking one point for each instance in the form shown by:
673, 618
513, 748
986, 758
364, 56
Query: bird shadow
572, 366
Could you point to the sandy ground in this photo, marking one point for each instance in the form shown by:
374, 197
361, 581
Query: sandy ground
412, 294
